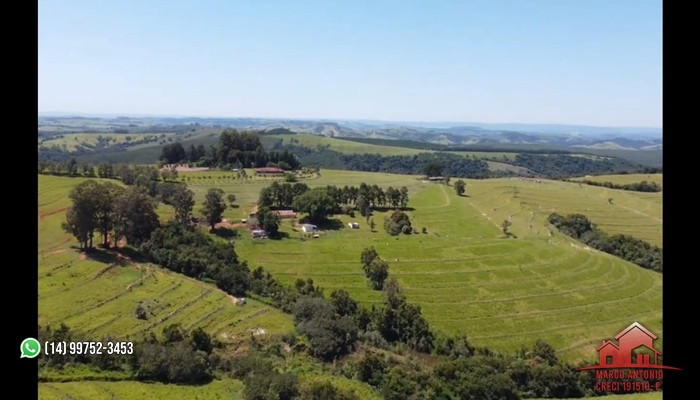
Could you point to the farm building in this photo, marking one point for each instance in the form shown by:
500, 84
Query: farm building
259, 234
436, 178
286, 214
353, 225
309, 228
269, 171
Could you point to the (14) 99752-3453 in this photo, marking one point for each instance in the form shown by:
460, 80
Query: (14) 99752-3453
87, 348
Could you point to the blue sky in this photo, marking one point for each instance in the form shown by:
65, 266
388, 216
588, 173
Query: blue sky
588, 62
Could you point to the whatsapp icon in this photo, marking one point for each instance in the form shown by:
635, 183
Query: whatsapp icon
30, 348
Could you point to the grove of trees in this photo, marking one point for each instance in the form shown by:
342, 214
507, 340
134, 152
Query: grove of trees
234, 150
321, 202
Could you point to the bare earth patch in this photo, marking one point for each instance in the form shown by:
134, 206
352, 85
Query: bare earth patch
185, 168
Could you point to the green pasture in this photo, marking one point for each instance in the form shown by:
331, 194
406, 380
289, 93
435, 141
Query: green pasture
86, 390
70, 141
101, 297
633, 213
625, 179
218, 389
502, 293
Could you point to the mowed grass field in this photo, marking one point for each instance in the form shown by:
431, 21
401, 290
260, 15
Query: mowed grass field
626, 179
503, 293
100, 297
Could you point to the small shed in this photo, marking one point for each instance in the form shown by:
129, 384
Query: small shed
309, 228
353, 225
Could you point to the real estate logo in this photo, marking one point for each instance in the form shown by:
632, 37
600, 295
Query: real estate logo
628, 366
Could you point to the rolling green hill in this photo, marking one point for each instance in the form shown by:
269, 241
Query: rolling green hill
502, 293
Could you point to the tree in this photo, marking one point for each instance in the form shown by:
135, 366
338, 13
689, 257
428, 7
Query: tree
182, 201
396, 223
434, 168
214, 206
460, 187
231, 199
343, 303
136, 216
268, 220
378, 272
372, 225
173, 153
103, 197
504, 227
404, 196
317, 203
80, 221
362, 206
368, 255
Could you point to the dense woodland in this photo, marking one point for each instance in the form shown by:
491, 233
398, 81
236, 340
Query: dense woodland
234, 150
643, 186
628, 248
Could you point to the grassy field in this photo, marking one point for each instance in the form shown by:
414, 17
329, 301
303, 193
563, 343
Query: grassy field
100, 296
221, 389
350, 147
626, 179
501, 292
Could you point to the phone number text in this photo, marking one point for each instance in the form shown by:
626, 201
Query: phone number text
87, 348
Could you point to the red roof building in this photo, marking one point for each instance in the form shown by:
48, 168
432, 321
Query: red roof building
286, 213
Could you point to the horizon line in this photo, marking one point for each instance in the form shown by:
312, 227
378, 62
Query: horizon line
359, 120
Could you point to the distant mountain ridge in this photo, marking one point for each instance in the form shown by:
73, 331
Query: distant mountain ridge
457, 134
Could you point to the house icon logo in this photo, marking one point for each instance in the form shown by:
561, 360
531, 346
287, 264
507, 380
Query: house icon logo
634, 349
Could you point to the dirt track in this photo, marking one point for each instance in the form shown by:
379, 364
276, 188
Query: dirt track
50, 213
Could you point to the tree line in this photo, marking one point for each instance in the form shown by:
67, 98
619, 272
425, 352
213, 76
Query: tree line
320, 202
628, 248
558, 166
643, 186
234, 150
456, 165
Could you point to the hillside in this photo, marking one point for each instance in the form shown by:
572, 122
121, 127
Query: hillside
466, 277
